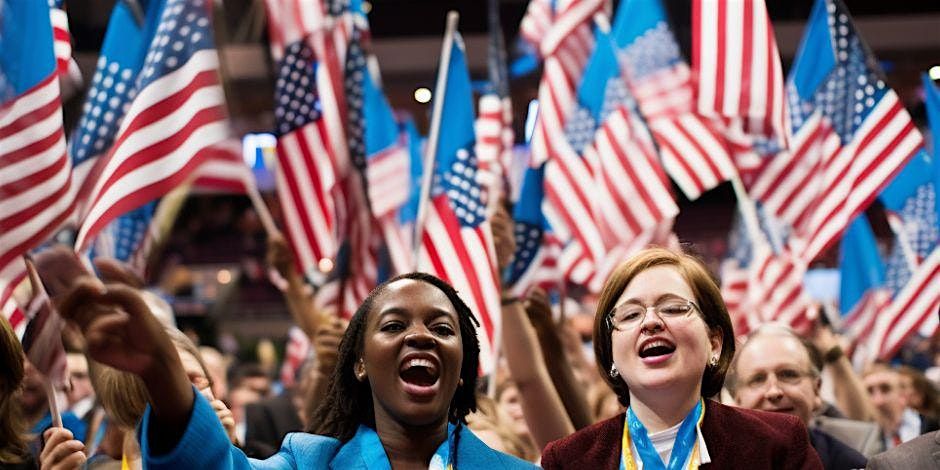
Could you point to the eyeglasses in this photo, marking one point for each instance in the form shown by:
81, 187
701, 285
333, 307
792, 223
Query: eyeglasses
628, 316
785, 376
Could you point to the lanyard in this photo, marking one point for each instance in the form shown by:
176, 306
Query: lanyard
686, 444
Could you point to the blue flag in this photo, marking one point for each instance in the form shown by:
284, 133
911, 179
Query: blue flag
860, 264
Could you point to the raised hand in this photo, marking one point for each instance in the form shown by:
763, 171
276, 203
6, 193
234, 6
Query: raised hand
326, 344
61, 451
119, 329
504, 238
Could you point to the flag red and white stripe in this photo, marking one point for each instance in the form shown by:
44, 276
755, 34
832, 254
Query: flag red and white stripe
737, 65
465, 256
917, 303
35, 174
224, 170
565, 47
858, 173
162, 140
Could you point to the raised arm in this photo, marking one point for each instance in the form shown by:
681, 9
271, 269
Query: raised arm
297, 294
539, 310
543, 409
120, 331
850, 394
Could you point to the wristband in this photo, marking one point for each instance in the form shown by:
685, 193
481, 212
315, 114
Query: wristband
833, 354
508, 301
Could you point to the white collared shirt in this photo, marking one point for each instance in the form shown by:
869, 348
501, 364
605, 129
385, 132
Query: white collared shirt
664, 441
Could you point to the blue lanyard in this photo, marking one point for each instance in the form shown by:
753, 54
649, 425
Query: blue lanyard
686, 440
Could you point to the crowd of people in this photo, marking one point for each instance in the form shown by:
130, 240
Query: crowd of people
665, 383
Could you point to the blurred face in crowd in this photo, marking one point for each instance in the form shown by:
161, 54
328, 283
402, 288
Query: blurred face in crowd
775, 374
884, 390
32, 397
510, 403
908, 392
412, 353
194, 371
78, 377
658, 352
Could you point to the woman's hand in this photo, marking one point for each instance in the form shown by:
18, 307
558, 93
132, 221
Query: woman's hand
119, 329
224, 414
60, 451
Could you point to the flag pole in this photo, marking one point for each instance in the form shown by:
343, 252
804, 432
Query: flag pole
906, 249
434, 133
39, 291
748, 209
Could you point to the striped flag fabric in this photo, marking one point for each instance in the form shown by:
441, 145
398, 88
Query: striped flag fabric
36, 191
62, 43
388, 171
565, 48
224, 170
695, 150
605, 186
113, 88
862, 293
177, 114
851, 134
307, 173
912, 270
762, 281
495, 137
535, 262
456, 241
737, 65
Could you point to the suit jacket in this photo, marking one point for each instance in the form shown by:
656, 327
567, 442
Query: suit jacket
204, 445
862, 436
835, 454
266, 424
923, 452
735, 438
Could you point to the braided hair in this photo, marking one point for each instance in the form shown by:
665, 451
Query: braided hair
348, 401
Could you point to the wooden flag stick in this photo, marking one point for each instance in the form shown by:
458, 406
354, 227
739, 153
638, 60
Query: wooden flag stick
440, 93
267, 220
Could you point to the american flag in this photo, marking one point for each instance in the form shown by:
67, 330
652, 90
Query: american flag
224, 170
912, 272
388, 169
113, 88
862, 294
735, 57
762, 281
297, 351
565, 47
456, 243
605, 186
695, 150
36, 193
65, 64
851, 134
42, 339
535, 262
307, 175
495, 137
178, 113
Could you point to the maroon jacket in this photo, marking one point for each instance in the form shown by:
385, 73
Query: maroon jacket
735, 438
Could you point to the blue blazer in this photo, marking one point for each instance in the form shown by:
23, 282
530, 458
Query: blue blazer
205, 446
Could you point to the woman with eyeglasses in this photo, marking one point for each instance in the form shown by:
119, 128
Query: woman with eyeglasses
663, 341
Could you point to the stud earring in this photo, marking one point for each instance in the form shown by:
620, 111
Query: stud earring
713, 362
614, 373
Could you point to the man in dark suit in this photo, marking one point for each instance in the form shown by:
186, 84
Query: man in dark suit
923, 452
773, 371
